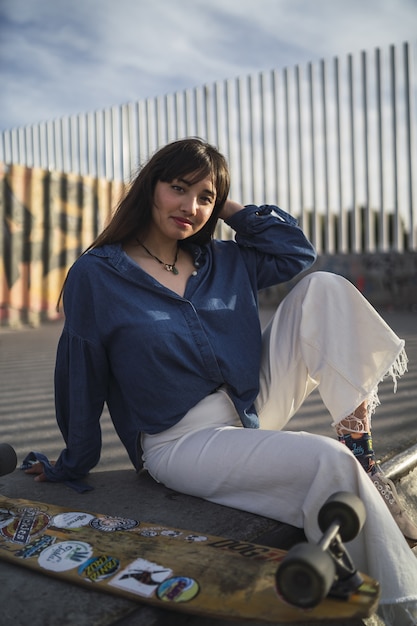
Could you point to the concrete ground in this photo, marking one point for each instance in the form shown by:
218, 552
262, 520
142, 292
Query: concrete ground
27, 423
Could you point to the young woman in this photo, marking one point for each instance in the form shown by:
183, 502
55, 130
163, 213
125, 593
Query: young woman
162, 324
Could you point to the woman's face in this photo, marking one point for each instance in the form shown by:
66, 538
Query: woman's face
181, 208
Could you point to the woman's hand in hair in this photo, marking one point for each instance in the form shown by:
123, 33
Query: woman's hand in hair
230, 207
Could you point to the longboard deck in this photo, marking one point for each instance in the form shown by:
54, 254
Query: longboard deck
167, 567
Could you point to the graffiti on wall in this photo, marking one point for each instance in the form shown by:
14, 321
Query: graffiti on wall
47, 220
387, 279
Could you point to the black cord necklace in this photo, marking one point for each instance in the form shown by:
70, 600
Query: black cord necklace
170, 267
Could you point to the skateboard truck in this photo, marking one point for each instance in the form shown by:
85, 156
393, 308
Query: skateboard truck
310, 572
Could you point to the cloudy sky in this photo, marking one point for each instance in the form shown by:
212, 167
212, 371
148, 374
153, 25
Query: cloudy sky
61, 57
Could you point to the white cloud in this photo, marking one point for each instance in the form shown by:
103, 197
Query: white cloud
61, 57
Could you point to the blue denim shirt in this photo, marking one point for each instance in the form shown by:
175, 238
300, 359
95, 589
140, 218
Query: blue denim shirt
151, 354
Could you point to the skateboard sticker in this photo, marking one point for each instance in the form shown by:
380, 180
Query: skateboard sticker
71, 520
5, 517
163, 531
98, 568
65, 555
111, 524
28, 522
171, 533
149, 532
141, 577
196, 538
36, 547
178, 589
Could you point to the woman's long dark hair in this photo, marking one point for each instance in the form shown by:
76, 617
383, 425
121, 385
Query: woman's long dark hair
178, 159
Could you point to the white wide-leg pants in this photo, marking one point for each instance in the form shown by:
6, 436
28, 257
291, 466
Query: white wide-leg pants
324, 335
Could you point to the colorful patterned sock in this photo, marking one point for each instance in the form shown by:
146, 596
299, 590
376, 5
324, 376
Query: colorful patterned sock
361, 447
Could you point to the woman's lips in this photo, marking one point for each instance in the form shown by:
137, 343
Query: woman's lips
181, 221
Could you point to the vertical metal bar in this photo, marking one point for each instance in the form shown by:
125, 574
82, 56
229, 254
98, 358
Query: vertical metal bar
179, 111
275, 132
70, 144
217, 134
366, 218
341, 229
355, 246
3, 147
9, 145
21, 145
81, 144
188, 112
287, 140
98, 123
78, 143
123, 138
200, 115
412, 234
396, 231
14, 146
174, 119
108, 149
116, 144
168, 117
195, 111
314, 230
143, 135
72, 152
227, 120
251, 138
328, 239
36, 145
157, 122
300, 144
382, 230
264, 148
180, 114
57, 146
51, 139
44, 146
29, 146
90, 144
164, 116
207, 112
119, 139
134, 146
192, 112
231, 144
129, 140
63, 144
153, 104
239, 139
47, 140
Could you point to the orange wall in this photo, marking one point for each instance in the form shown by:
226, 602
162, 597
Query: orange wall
47, 219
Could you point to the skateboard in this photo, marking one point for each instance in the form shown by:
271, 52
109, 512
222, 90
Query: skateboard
181, 570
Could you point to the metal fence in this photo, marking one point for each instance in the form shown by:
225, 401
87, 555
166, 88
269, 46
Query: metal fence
332, 142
